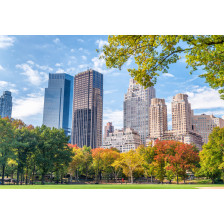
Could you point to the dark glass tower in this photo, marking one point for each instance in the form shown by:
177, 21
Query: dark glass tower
6, 104
58, 102
88, 109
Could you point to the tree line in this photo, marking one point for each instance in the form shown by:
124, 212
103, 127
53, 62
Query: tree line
31, 155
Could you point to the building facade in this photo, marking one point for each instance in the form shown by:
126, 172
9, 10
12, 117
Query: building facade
181, 114
123, 140
157, 118
58, 102
109, 128
6, 104
136, 108
87, 109
203, 124
182, 129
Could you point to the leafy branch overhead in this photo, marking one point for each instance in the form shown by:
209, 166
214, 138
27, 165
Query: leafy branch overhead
155, 53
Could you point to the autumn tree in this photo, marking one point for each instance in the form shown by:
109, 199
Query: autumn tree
147, 153
97, 162
212, 155
130, 162
154, 54
184, 158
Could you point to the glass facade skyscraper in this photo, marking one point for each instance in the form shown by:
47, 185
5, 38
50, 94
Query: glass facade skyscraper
58, 102
6, 104
88, 109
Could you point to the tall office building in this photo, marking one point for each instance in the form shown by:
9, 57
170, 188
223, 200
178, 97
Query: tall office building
58, 102
109, 128
157, 118
181, 114
88, 109
136, 108
203, 124
6, 104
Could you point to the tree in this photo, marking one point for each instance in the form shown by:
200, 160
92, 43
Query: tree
155, 53
147, 154
211, 157
77, 161
184, 158
6, 144
129, 161
51, 142
97, 162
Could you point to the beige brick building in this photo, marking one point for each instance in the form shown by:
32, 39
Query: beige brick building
157, 118
181, 114
203, 124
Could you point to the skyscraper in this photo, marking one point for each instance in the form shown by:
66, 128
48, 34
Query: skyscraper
88, 109
157, 118
136, 108
6, 104
181, 114
109, 128
58, 102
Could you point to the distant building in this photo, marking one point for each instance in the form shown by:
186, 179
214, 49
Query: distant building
58, 102
6, 104
203, 124
88, 109
181, 114
123, 140
136, 108
157, 118
182, 129
109, 128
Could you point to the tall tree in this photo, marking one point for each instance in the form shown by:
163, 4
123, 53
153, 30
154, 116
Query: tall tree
155, 53
212, 155
130, 162
6, 144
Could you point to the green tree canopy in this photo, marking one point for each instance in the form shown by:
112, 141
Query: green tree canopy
155, 53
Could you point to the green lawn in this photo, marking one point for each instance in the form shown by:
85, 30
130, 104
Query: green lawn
112, 186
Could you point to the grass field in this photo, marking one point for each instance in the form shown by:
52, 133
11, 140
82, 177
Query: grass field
112, 186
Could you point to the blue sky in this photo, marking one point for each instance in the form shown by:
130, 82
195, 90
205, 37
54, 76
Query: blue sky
25, 62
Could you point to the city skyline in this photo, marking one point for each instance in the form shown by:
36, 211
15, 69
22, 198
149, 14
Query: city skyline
27, 60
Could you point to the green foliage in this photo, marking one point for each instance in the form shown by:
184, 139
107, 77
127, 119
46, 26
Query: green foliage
212, 155
6, 144
155, 53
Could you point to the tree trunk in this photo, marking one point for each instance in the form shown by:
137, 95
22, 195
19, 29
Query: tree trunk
3, 174
42, 179
177, 180
132, 178
151, 178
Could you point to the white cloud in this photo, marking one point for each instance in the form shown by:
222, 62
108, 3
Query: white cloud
168, 75
83, 66
110, 91
84, 57
204, 98
35, 73
56, 41
27, 106
32, 75
80, 40
6, 41
114, 116
58, 64
80, 49
60, 70
72, 50
8, 86
1, 68
101, 43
